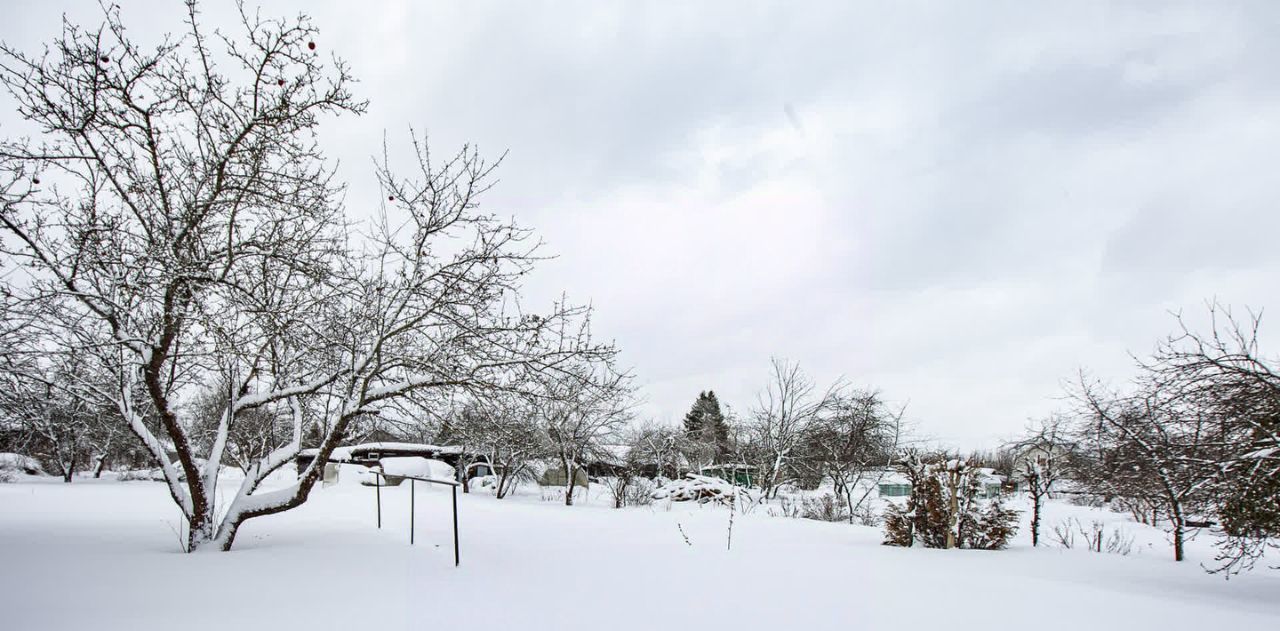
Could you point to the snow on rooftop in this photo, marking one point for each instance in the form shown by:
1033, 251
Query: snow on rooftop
345, 452
418, 467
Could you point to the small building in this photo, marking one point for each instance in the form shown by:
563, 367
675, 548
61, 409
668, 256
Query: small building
731, 472
555, 475
368, 455
990, 483
893, 484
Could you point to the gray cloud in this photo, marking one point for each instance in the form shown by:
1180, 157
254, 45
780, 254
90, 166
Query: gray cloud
960, 204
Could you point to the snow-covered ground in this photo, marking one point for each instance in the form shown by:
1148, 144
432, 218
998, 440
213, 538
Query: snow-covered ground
105, 555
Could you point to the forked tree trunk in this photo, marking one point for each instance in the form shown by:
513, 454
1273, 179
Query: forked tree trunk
502, 484
570, 484
69, 470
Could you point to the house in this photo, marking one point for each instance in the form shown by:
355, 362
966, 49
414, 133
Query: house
989, 483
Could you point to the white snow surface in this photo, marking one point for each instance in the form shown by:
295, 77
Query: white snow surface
104, 555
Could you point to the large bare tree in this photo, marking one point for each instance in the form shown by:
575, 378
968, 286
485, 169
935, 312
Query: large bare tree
175, 218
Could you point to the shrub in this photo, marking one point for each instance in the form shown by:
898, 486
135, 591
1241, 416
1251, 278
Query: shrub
639, 492
823, 507
1095, 537
944, 510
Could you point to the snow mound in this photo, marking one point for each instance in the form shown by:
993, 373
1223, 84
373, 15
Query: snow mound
417, 467
697, 488
19, 463
150, 475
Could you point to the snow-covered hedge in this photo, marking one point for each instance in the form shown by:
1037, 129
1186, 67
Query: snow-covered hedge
697, 488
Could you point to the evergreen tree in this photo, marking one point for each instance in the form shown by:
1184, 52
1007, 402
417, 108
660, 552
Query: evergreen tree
705, 423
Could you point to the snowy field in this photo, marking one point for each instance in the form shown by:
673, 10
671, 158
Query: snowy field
102, 554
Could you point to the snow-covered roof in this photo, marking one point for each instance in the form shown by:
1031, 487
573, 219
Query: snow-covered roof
418, 467
891, 477
345, 452
616, 453
731, 466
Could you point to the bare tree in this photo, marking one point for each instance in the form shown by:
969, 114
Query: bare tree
501, 425
659, 447
579, 408
783, 412
177, 221
1196, 439
1222, 375
852, 442
1151, 445
1040, 459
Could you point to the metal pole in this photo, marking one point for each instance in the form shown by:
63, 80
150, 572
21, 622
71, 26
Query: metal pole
377, 480
412, 495
456, 560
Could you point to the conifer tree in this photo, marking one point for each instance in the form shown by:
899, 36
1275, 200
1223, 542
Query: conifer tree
705, 423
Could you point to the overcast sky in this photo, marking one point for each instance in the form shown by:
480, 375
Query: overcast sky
957, 203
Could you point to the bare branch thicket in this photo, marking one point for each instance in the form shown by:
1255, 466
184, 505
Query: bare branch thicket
1195, 440
1222, 378
852, 443
784, 412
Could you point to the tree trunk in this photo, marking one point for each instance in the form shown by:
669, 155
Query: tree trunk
1176, 522
502, 484
69, 471
1035, 519
572, 482
102, 464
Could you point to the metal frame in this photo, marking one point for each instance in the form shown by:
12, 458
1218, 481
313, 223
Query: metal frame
413, 480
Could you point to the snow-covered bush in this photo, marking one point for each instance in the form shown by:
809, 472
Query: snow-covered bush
1095, 537
18, 463
822, 507
697, 488
944, 510
1088, 500
639, 492
484, 482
